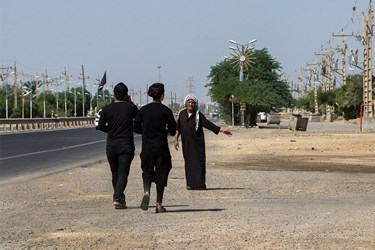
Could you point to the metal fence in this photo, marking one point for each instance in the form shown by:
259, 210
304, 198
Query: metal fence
44, 123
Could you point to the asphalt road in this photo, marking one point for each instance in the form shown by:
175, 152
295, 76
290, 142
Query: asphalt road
35, 153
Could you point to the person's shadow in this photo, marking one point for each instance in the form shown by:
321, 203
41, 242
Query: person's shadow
186, 210
219, 188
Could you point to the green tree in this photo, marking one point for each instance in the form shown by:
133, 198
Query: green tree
306, 102
262, 89
350, 97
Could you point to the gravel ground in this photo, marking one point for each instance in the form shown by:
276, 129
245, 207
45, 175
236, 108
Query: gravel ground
267, 189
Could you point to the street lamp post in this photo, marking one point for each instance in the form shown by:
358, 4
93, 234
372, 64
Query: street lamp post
83, 101
31, 98
66, 87
75, 102
232, 101
243, 57
65, 106
57, 101
44, 99
159, 73
6, 100
44, 93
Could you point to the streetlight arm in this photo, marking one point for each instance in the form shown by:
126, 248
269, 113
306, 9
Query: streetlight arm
252, 41
234, 42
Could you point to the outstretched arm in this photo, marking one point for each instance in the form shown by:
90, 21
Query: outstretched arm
225, 131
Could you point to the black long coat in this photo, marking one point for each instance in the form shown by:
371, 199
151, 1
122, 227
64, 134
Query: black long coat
193, 147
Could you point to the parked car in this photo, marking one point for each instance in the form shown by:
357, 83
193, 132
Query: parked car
262, 116
97, 118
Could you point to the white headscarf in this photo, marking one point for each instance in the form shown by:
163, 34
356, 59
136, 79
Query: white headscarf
196, 110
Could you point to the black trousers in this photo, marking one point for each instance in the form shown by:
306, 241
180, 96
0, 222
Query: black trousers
156, 163
119, 157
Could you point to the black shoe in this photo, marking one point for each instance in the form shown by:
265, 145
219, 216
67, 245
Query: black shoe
160, 209
145, 201
120, 204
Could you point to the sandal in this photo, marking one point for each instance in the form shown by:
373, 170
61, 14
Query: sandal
120, 204
160, 209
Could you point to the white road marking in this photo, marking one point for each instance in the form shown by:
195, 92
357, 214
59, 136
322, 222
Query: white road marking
51, 150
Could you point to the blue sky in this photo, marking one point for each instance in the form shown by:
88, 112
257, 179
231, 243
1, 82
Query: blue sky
130, 39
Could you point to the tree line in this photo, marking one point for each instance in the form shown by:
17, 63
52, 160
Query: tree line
33, 101
263, 90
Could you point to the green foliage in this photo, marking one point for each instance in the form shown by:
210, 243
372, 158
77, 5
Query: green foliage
306, 102
351, 96
262, 89
346, 99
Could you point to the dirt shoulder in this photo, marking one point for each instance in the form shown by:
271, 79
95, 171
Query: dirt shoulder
267, 189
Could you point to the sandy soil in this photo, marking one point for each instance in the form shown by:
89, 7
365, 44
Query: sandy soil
267, 189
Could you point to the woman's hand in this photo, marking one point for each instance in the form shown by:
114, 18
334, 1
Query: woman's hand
227, 132
176, 144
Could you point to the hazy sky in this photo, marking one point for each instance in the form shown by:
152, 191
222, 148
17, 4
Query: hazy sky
130, 39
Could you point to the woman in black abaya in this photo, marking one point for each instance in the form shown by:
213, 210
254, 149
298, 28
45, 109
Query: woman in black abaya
190, 124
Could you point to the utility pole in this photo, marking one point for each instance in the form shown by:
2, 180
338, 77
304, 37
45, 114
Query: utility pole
315, 80
301, 91
367, 64
330, 109
308, 78
190, 85
6, 90
316, 105
47, 82
66, 79
15, 86
140, 97
2, 74
147, 93
83, 78
97, 93
343, 57
23, 96
132, 95
325, 78
343, 54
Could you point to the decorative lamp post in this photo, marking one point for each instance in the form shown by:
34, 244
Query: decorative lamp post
44, 98
243, 58
75, 102
65, 108
231, 99
57, 101
159, 73
31, 96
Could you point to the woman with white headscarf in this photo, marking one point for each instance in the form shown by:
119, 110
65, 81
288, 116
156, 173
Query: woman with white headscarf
190, 124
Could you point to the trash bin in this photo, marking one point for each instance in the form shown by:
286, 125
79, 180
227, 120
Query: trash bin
298, 123
301, 124
273, 119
